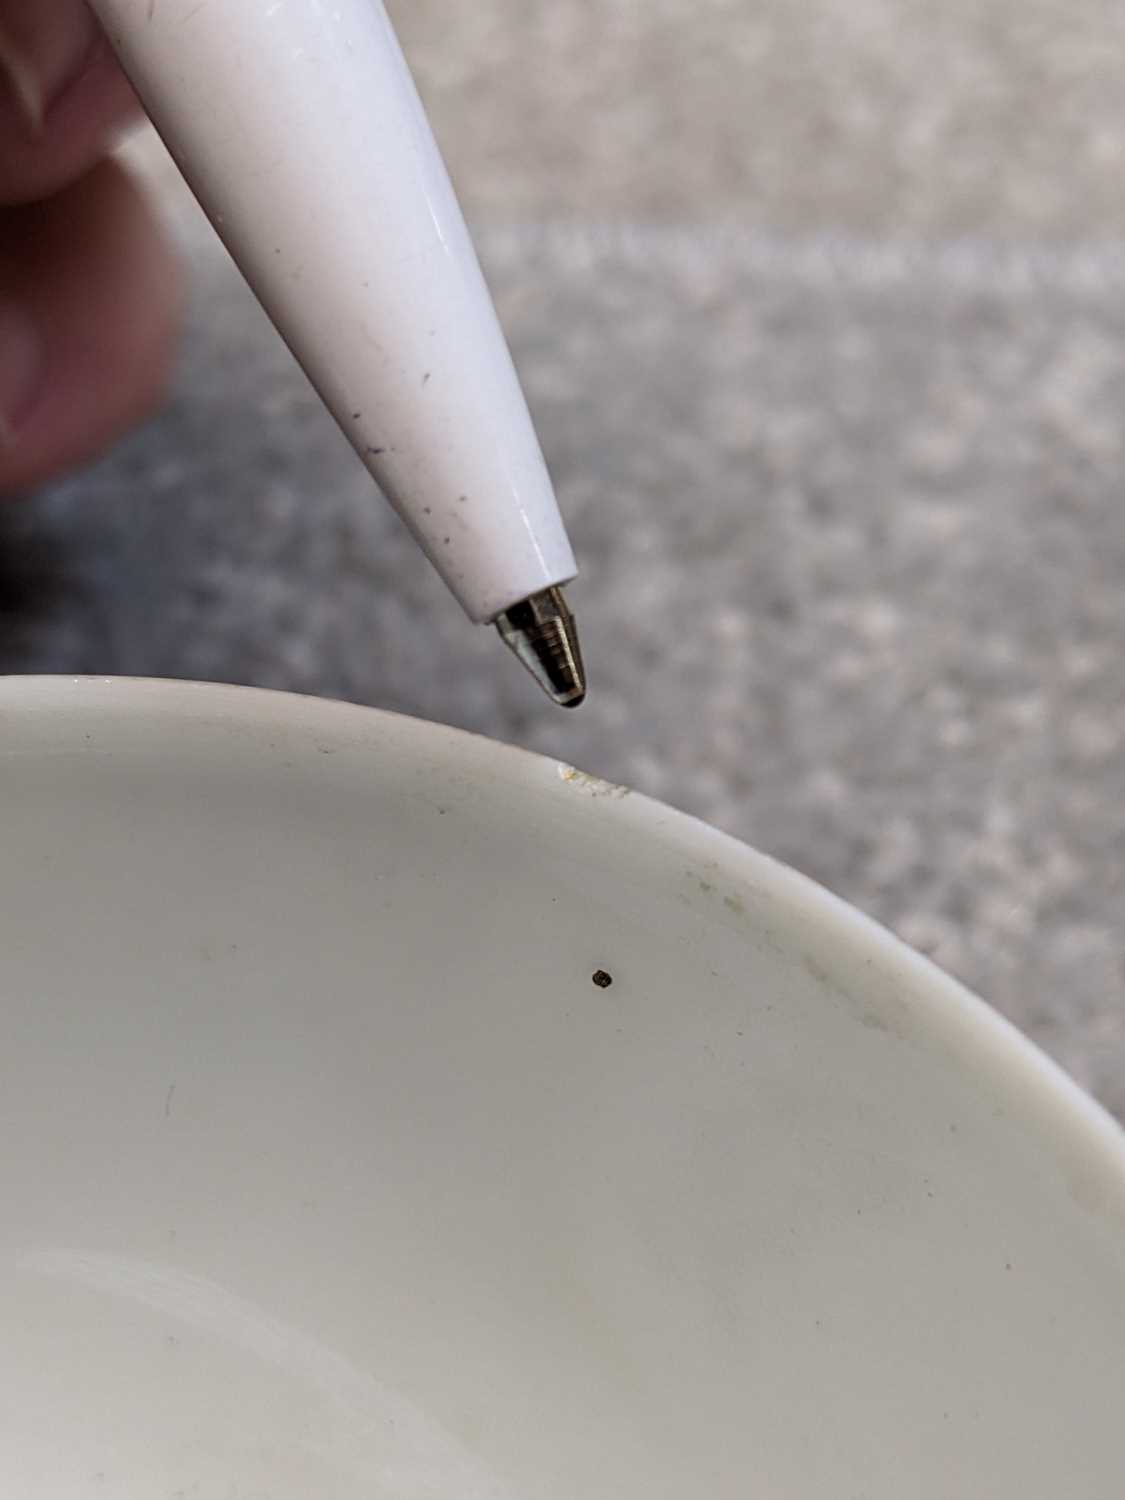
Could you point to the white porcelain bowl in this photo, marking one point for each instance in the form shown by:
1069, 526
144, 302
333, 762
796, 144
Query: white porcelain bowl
328, 1173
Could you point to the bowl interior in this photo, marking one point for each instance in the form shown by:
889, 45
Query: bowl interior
329, 1171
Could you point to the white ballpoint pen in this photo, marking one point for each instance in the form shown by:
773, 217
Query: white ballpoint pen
298, 127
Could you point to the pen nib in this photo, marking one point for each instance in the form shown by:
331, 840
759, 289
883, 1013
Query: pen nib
542, 633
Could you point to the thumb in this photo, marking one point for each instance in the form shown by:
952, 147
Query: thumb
90, 294
61, 96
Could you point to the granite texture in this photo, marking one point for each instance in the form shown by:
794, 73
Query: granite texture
1002, 117
822, 318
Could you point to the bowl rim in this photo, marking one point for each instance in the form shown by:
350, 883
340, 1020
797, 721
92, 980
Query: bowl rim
1089, 1135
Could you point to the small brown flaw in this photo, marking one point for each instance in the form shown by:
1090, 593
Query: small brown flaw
602, 979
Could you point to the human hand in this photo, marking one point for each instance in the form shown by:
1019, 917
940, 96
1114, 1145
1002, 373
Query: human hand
89, 287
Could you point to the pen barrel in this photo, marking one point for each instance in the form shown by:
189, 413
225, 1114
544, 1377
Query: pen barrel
299, 129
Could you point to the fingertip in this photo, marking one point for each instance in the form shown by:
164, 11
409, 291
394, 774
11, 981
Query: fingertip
52, 131
93, 273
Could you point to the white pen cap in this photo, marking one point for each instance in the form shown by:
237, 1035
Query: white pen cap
298, 127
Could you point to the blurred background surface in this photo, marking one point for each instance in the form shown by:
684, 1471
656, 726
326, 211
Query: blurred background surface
820, 308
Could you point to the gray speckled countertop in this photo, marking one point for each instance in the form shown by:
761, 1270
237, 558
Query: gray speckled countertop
822, 318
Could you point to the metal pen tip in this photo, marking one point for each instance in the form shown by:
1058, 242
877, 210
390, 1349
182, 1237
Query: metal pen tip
542, 633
